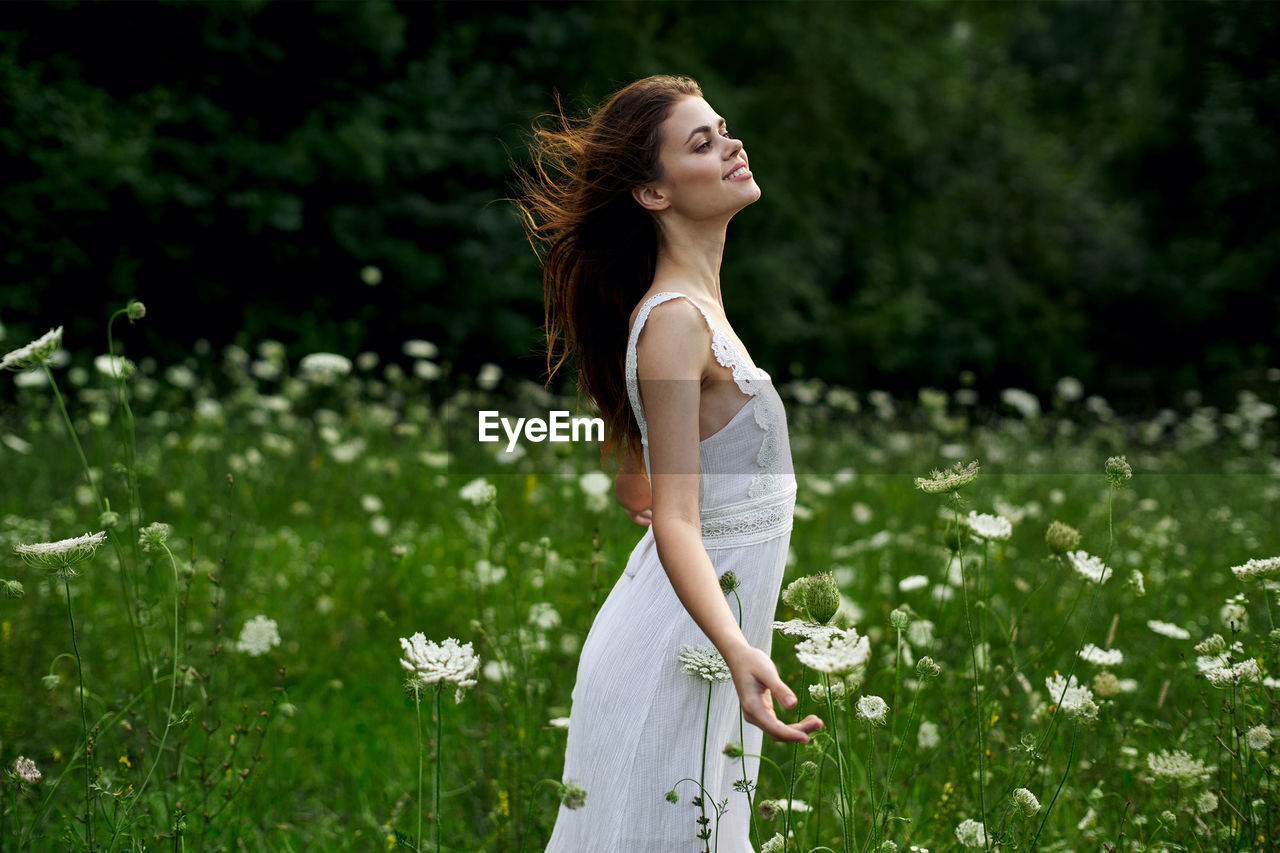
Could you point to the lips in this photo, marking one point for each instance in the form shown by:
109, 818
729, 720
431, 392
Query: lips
740, 172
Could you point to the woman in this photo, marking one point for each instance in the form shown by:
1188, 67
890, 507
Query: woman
632, 206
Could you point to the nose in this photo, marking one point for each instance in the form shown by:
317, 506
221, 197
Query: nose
734, 148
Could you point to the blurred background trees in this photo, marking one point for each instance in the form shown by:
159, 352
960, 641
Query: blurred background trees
1019, 190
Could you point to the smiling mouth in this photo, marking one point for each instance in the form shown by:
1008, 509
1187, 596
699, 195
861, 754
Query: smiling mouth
736, 173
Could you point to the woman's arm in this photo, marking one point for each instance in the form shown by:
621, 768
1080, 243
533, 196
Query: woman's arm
631, 488
671, 355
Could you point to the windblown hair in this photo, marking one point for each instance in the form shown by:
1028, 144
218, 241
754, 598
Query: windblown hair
599, 247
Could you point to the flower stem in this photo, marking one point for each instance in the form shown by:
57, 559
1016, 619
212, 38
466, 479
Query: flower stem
417, 707
84, 722
846, 812
977, 692
795, 753
702, 768
439, 730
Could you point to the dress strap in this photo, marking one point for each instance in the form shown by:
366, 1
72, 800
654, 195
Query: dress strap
726, 354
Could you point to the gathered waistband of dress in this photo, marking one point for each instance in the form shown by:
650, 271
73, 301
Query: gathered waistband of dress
750, 521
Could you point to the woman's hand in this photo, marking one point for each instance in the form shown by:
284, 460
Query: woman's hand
757, 682
631, 488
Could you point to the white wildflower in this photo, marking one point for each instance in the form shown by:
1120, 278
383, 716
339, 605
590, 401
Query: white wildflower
488, 377
992, 528
1069, 389
971, 833
809, 630
479, 491
444, 663
1088, 566
1177, 766
704, 662
119, 366
911, 582
948, 480
873, 709
595, 483
1073, 698
258, 636
1101, 657
62, 555
1246, 670
1259, 737
558, 722
420, 349
1025, 802
1257, 569
324, 366
927, 737
25, 769
33, 354
819, 692
777, 844
1206, 802
1169, 630
840, 653
153, 536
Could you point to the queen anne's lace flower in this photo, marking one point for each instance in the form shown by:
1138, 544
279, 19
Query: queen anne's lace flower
62, 555
1025, 802
777, 844
971, 833
444, 663
1167, 629
993, 528
927, 737
259, 636
1101, 657
948, 480
114, 366
1257, 569
1225, 676
704, 662
1177, 766
1088, 566
26, 770
873, 710
324, 366
1259, 737
907, 584
153, 536
808, 630
840, 653
34, 353
479, 491
1073, 698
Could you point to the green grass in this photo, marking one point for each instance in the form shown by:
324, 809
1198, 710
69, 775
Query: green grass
271, 511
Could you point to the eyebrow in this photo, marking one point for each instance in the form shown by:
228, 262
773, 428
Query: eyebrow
703, 129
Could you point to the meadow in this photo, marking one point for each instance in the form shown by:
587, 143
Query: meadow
273, 526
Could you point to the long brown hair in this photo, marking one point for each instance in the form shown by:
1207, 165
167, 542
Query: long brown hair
600, 245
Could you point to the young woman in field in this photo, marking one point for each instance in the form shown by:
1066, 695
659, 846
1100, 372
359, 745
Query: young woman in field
631, 207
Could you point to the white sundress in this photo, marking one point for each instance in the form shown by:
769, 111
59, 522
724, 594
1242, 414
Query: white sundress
636, 722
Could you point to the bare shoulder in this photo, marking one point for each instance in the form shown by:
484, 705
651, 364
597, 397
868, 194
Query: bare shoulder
674, 343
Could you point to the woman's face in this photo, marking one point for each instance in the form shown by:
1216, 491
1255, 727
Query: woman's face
705, 173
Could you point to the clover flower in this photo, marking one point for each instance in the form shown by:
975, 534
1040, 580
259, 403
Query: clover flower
1259, 738
1075, 700
948, 480
1167, 629
1062, 538
60, 557
1257, 569
153, 536
444, 663
25, 769
258, 636
1101, 657
971, 833
1177, 766
1117, 471
1025, 802
704, 662
994, 528
839, 653
1088, 566
33, 354
872, 709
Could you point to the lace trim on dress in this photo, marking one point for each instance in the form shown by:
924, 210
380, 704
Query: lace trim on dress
727, 355
749, 522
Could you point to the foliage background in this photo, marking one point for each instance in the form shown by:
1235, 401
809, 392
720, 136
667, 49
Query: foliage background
1021, 190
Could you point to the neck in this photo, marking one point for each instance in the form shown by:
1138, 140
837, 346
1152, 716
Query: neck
690, 255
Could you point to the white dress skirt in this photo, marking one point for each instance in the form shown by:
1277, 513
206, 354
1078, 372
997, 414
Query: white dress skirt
636, 722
